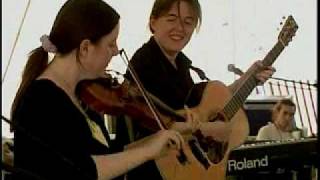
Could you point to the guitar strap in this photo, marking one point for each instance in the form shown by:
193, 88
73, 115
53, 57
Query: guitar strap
194, 95
200, 73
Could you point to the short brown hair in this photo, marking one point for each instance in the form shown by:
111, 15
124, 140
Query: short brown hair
277, 107
160, 7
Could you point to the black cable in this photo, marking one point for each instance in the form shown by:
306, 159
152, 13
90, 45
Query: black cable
45, 145
289, 80
19, 171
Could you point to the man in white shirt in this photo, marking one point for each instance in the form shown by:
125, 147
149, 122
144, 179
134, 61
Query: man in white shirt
282, 122
281, 129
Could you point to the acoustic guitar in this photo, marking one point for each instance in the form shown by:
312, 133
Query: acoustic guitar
207, 157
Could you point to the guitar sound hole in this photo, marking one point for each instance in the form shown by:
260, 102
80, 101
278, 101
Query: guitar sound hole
216, 150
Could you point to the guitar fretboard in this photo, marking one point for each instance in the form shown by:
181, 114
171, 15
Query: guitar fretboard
250, 83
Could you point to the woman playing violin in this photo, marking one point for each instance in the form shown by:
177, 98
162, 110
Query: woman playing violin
54, 137
165, 70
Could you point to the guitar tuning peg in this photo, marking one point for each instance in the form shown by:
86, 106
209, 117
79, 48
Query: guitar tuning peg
281, 23
283, 17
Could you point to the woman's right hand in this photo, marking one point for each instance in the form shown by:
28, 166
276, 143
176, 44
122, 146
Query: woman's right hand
164, 141
137, 153
159, 143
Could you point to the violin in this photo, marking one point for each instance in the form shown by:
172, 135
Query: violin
108, 96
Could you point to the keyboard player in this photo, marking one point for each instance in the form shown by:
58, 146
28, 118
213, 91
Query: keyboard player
282, 125
282, 128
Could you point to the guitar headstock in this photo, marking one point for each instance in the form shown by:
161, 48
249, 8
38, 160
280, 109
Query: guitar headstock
288, 31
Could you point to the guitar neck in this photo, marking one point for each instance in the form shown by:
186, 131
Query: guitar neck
273, 54
248, 84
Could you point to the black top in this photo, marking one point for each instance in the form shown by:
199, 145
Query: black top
161, 79
61, 144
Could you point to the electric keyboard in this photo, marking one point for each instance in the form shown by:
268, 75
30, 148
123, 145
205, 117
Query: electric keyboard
272, 155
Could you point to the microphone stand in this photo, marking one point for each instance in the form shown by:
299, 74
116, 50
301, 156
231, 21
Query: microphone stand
237, 71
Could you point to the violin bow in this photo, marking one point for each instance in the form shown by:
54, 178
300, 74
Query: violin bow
182, 157
141, 88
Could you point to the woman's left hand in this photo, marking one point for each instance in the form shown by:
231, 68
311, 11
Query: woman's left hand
191, 124
192, 119
263, 72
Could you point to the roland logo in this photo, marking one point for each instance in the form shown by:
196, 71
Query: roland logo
243, 164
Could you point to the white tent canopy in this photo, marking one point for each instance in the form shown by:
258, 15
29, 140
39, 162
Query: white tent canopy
232, 32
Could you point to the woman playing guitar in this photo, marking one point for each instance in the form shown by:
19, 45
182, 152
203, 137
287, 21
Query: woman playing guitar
164, 71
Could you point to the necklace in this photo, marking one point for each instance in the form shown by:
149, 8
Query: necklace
279, 132
95, 129
69, 88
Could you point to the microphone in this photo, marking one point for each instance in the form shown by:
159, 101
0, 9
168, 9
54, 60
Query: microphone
235, 70
121, 51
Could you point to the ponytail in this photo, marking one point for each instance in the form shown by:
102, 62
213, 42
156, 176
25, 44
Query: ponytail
92, 19
36, 64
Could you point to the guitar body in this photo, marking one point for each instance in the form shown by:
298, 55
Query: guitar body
215, 96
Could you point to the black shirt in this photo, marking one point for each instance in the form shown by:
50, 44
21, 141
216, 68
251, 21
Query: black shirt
160, 78
60, 142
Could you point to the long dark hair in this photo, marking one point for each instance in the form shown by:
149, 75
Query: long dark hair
77, 20
160, 7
